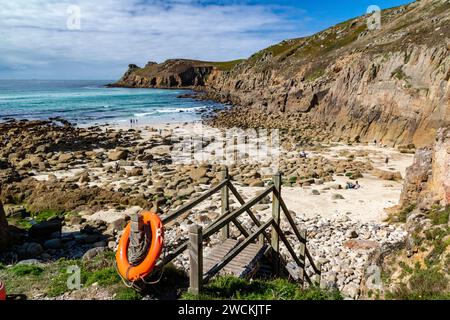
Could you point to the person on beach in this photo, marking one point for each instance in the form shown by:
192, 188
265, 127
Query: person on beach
354, 186
386, 161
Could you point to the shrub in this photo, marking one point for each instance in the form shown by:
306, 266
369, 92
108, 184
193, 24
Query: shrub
26, 269
424, 284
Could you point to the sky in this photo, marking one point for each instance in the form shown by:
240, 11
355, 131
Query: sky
85, 39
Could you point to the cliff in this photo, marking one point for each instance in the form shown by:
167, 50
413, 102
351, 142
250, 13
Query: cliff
427, 181
174, 73
390, 84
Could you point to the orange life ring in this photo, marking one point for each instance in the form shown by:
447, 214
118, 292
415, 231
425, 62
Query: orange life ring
2, 291
133, 273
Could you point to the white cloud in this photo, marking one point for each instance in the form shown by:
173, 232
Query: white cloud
114, 33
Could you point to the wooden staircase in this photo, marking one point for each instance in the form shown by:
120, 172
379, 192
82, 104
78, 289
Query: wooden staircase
257, 255
244, 265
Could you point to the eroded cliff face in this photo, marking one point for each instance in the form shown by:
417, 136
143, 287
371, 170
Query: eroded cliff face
177, 73
427, 180
390, 84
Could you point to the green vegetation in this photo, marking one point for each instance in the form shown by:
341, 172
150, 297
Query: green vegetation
38, 217
26, 269
223, 288
399, 74
425, 266
439, 216
315, 74
124, 293
103, 277
51, 278
227, 65
288, 46
20, 223
402, 215
47, 215
424, 284
293, 179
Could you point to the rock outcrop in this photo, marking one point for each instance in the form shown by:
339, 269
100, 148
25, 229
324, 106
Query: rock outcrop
427, 181
390, 84
175, 73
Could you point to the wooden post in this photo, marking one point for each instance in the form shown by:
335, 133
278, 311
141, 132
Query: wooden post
319, 275
275, 243
225, 204
195, 259
302, 257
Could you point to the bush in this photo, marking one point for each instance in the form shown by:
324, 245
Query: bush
424, 284
439, 216
404, 213
26, 269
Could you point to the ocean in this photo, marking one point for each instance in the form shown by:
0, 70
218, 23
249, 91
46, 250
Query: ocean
90, 102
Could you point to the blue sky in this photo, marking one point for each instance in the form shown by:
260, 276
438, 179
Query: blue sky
41, 39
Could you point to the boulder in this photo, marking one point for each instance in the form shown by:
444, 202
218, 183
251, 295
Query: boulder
337, 196
45, 228
29, 250
387, 175
254, 182
115, 155
65, 158
160, 151
53, 244
356, 244
198, 173
137, 171
92, 253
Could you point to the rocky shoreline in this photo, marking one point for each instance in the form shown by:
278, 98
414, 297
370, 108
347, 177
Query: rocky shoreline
68, 193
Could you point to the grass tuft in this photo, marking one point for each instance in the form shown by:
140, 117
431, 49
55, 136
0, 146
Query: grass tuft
229, 287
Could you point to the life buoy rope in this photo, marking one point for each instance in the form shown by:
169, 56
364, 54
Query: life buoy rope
129, 272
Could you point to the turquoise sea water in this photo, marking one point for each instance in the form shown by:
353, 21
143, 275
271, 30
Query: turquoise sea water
88, 102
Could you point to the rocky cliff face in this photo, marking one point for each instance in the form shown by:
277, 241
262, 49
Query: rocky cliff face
427, 181
390, 84
170, 74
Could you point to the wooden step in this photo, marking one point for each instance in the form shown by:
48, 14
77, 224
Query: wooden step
242, 265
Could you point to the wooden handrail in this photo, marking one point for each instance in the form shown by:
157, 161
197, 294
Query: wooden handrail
232, 217
217, 225
288, 216
233, 253
296, 231
288, 246
172, 216
249, 211
213, 228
